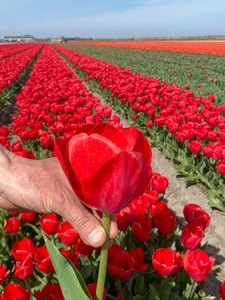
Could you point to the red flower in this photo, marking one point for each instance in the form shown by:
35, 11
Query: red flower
12, 225
43, 260
142, 228
159, 183
124, 219
167, 262
138, 256
207, 150
194, 214
106, 182
198, 264
221, 167
3, 274
67, 233
71, 256
29, 217
49, 223
113, 251
222, 290
22, 249
191, 236
195, 147
24, 269
164, 219
14, 291
150, 197
50, 291
122, 266
82, 249
92, 290
138, 207
4, 131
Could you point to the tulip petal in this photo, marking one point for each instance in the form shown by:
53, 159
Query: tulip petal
117, 182
113, 134
61, 151
137, 142
88, 153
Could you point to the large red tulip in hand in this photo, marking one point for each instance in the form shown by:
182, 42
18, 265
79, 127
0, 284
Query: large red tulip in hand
106, 167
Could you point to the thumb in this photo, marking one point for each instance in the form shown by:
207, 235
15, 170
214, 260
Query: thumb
87, 226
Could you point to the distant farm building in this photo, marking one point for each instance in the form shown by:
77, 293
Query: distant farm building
24, 38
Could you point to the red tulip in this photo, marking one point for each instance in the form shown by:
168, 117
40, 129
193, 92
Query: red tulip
138, 256
12, 225
167, 262
24, 269
92, 290
164, 219
194, 214
15, 291
4, 131
50, 291
195, 147
43, 261
29, 217
138, 207
222, 290
221, 167
67, 233
3, 273
124, 219
22, 249
113, 251
82, 249
159, 183
142, 228
49, 223
122, 266
191, 236
198, 264
106, 182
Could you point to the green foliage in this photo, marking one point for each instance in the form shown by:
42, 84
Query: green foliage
202, 74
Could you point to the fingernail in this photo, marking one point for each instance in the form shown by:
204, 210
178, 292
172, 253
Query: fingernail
96, 236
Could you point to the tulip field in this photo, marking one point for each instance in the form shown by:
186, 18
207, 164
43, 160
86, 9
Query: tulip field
175, 98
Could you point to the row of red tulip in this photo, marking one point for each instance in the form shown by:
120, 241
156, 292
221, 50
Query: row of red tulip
186, 116
10, 68
11, 49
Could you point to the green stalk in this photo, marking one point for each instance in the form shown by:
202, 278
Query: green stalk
103, 259
192, 290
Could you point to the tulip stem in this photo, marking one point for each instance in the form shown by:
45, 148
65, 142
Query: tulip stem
192, 290
103, 259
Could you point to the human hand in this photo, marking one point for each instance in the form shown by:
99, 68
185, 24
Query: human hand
41, 186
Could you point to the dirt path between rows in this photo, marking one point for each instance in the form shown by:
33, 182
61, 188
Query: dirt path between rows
178, 194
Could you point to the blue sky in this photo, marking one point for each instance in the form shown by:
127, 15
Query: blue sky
112, 19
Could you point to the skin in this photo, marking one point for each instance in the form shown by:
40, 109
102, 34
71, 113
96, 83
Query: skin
41, 186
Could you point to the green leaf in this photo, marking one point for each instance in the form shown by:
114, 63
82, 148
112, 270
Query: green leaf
189, 293
174, 296
214, 201
166, 287
86, 271
153, 293
70, 280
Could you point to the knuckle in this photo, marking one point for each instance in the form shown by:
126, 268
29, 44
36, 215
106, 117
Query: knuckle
82, 222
